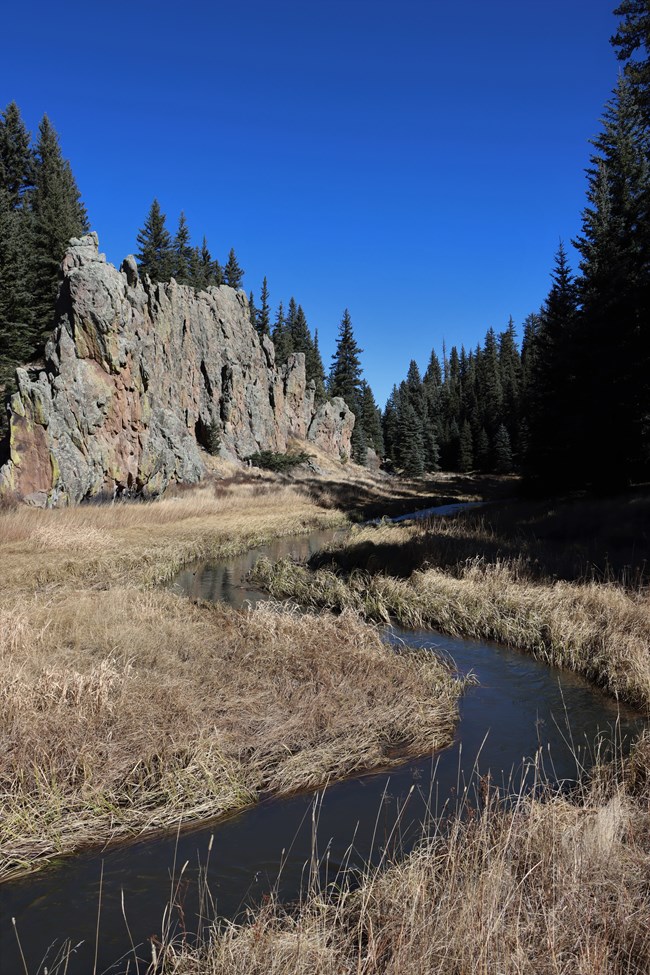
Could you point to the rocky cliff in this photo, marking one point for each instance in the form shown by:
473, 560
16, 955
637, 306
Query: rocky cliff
139, 377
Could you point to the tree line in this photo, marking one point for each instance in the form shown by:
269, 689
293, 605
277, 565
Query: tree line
570, 408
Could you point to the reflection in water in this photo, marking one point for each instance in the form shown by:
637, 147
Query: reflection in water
520, 715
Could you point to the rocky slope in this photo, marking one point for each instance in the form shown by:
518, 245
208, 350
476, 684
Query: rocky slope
137, 377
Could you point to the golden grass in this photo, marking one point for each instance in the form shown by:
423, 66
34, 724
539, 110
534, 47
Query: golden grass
601, 630
125, 708
553, 887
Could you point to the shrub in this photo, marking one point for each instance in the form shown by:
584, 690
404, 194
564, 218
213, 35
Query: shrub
271, 460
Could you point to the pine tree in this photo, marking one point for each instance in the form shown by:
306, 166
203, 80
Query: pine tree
205, 267
58, 215
182, 252
155, 256
233, 273
252, 310
218, 276
553, 409
510, 375
345, 371
371, 420
409, 432
503, 463
390, 427
315, 371
264, 315
345, 381
16, 158
615, 297
632, 37
281, 337
17, 339
465, 448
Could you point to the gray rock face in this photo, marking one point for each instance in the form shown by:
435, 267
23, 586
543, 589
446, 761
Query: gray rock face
136, 377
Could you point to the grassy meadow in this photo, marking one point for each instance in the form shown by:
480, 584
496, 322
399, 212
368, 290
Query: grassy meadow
126, 708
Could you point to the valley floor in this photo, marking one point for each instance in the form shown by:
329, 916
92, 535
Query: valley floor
126, 708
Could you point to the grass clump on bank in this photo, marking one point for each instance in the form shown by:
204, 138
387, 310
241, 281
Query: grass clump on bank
126, 708
598, 629
553, 885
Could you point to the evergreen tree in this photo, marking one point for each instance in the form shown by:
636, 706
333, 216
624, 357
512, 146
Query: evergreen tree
465, 448
511, 376
182, 252
155, 256
482, 451
503, 462
315, 370
205, 267
345, 381
264, 315
552, 407
615, 297
409, 435
218, 276
17, 339
281, 337
390, 427
301, 340
432, 389
632, 37
16, 158
233, 273
371, 420
252, 310
58, 215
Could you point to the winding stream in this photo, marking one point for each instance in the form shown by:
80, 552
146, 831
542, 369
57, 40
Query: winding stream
520, 708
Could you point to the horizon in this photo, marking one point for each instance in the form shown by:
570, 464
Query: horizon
344, 165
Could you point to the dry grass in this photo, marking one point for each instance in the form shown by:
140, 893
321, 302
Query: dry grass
601, 630
125, 708
552, 887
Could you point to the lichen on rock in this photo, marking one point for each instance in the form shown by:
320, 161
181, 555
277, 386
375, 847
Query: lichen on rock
134, 371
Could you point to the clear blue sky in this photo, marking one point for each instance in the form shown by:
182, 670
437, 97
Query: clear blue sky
416, 162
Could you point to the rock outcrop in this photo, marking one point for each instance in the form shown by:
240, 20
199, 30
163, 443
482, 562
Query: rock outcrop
139, 377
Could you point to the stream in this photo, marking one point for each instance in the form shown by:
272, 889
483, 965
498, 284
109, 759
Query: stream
520, 709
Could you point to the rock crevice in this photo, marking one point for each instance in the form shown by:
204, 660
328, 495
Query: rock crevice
133, 370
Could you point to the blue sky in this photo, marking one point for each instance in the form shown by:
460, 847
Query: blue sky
416, 162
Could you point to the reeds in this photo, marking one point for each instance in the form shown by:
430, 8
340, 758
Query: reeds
123, 711
542, 883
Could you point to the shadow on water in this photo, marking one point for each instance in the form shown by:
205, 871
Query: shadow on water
521, 714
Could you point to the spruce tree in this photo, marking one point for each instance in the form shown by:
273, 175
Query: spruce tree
233, 273
182, 249
17, 162
345, 381
371, 420
252, 310
633, 38
553, 410
264, 314
281, 337
390, 427
58, 215
614, 327
410, 441
205, 267
465, 448
156, 255
315, 370
503, 462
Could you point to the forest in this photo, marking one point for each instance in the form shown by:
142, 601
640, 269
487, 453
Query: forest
567, 407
